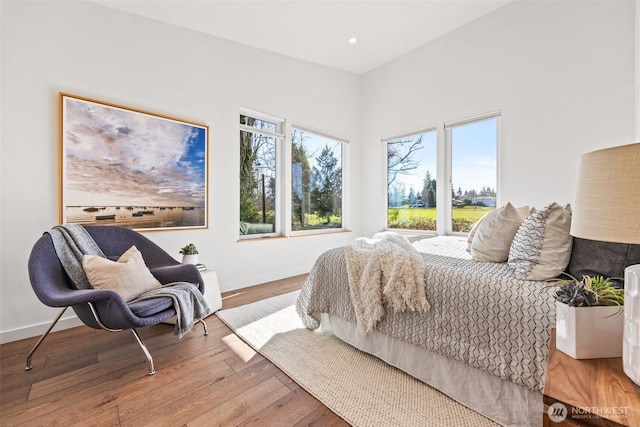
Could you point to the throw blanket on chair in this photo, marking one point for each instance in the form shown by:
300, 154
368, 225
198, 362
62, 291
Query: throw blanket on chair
386, 268
72, 242
188, 302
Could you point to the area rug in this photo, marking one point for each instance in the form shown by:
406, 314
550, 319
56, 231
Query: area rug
360, 388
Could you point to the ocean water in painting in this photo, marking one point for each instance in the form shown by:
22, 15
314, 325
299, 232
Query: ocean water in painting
138, 217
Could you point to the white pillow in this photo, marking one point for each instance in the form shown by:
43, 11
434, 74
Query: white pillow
474, 230
494, 234
129, 276
541, 248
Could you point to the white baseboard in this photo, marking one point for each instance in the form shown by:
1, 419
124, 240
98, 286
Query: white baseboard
38, 330
226, 286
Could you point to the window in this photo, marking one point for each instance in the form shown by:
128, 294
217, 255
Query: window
286, 189
468, 153
411, 181
316, 180
473, 146
259, 151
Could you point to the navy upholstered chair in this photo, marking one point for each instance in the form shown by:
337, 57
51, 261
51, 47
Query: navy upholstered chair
105, 309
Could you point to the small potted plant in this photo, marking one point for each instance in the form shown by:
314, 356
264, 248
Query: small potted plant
589, 318
189, 254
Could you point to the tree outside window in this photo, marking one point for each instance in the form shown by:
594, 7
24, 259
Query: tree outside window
258, 186
411, 189
316, 181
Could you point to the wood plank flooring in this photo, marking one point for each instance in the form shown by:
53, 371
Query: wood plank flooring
83, 376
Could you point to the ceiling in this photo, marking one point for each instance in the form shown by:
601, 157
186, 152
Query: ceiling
318, 31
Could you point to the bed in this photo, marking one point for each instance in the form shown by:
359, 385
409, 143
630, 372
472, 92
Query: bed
483, 341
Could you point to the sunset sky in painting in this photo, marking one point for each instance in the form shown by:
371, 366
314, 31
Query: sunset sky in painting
116, 157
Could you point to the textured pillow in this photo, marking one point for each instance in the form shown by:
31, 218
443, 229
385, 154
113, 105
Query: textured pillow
542, 246
594, 258
494, 234
129, 276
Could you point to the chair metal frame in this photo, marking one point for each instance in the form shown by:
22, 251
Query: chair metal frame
143, 347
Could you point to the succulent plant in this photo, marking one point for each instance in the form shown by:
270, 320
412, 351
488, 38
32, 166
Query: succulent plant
190, 249
589, 291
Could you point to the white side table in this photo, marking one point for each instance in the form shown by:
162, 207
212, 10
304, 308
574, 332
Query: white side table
211, 293
212, 290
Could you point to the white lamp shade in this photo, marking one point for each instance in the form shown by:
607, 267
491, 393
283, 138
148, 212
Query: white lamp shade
607, 203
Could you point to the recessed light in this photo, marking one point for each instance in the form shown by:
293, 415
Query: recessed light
353, 40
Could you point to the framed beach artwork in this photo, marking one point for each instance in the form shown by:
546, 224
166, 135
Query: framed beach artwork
127, 167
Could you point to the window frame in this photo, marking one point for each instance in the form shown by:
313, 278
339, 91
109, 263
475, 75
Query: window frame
385, 142
444, 209
448, 147
344, 154
279, 137
283, 174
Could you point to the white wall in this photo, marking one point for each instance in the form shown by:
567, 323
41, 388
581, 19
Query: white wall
562, 73
89, 50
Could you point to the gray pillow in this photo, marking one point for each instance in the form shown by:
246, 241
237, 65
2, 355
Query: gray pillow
594, 258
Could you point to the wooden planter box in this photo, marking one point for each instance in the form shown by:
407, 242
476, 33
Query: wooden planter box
589, 332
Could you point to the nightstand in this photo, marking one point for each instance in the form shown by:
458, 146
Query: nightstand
588, 392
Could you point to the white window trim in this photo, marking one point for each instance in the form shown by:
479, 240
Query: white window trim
319, 132
410, 133
265, 117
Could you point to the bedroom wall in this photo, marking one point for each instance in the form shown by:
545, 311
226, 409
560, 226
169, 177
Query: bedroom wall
562, 74
90, 50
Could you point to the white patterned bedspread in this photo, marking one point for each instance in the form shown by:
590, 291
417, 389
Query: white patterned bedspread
480, 314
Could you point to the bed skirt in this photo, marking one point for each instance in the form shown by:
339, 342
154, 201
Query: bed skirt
502, 401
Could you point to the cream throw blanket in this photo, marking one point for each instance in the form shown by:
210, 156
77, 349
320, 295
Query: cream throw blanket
384, 269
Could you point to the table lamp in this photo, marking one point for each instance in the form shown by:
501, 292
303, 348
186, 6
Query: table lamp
607, 209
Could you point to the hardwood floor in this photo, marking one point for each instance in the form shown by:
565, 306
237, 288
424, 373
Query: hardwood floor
83, 376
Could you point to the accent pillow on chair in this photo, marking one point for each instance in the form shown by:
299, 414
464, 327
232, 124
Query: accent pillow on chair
129, 276
542, 246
